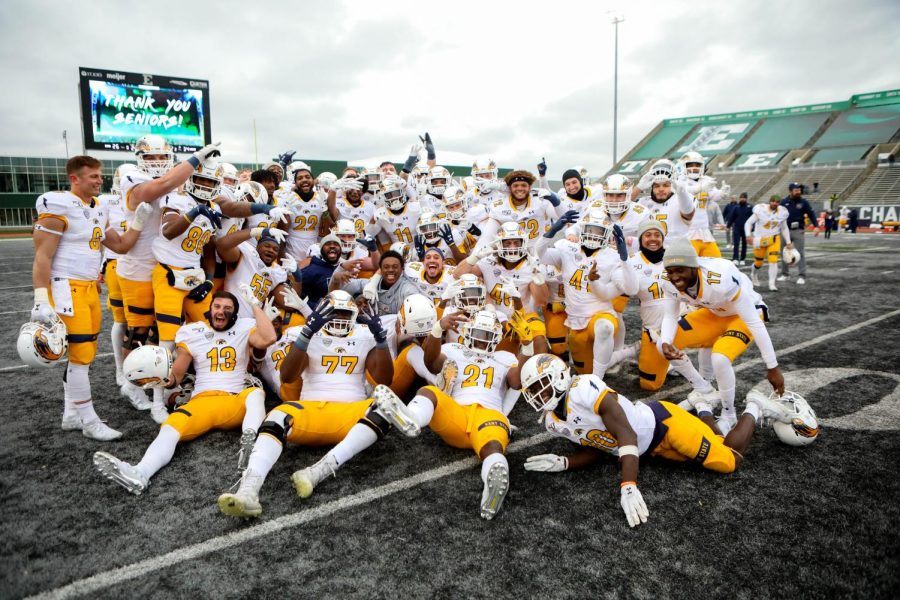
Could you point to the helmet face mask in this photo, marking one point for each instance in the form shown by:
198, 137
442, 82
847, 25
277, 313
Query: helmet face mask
693, 164
471, 295
41, 345
507, 248
429, 227
393, 194
438, 181
482, 333
345, 313
662, 171
595, 231
545, 381
251, 191
206, 182
229, 176
484, 170
346, 234
154, 155
616, 194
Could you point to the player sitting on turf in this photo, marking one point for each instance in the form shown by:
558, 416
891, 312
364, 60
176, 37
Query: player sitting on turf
586, 412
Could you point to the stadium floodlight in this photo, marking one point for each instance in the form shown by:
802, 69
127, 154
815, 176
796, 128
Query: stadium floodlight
616, 19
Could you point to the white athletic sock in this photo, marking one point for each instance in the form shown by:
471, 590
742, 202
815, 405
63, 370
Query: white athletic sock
266, 452
116, 335
603, 346
78, 392
620, 334
358, 439
773, 273
489, 462
704, 362
69, 410
725, 380
158, 397
687, 370
752, 409
255, 404
160, 452
422, 408
624, 353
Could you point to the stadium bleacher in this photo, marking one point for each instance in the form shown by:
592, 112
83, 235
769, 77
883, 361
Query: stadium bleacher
752, 182
819, 181
881, 187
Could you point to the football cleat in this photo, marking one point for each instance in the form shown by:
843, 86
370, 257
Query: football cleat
306, 480
71, 423
136, 396
782, 278
801, 281
118, 471
771, 408
495, 488
100, 431
726, 422
754, 276
397, 414
159, 412
243, 503
704, 401
248, 438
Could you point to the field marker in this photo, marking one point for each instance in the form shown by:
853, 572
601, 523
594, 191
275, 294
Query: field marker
105, 579
62, 362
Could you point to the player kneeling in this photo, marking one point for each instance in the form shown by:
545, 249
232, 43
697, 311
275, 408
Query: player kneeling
588, 413
219, 349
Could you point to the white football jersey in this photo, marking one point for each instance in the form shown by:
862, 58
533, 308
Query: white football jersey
138, 263
629, 221
567, 203
492, 271
337, 366
535, 218
700, 191
416, 272
269, 368
669, 215
721, 283
252, 271
303, 230
220, 357
768, 224
651, 292
186, 250
475, 198
429, 203
481, 379
398, 226
574, 266
360, 215
79, 254
583, 426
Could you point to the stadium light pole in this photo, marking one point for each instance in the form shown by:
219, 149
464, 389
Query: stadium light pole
66, 140
615, 22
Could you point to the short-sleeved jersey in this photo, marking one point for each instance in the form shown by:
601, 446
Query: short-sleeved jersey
416, 272
398, 226
303, 230
138, 263
581, 302
582, 424
535, 218
721, 283
220, 357
566, 202
251, 270
360, 215
186, 250
629, 221
651, 292
669, 214
474, 197
117, 220
337, 366
768, 222
481, 378
493, 271
79, 253
269, 368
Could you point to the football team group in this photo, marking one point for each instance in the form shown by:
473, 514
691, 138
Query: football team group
305, 308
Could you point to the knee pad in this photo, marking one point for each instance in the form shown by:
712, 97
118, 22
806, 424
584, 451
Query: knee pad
376, 423
278, 425
603, 329
135, 339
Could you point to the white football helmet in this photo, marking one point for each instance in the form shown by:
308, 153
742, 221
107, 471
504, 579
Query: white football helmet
40, 344
345, 312
803, 428
373, 177
148, 366
206, 180
545, 381
662, 171
121, 170
482, 332
693, 165
326, 180
595, 230
393, 193
157, 147
438, 181
471, 295
455, 203
791, 255
429, 227
297, 165
417, 315
403, 249
616, 194
251, 191
346, 232
506, 249
484, 169
229, 176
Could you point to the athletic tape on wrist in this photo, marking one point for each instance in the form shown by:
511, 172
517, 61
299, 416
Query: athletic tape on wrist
629, 451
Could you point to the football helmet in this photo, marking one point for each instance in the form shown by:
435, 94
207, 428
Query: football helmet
117, 177
373, 177
545, 381
393, 193
346, 232
417, 315
482, 332
148, 366
251, 191
509, 232
438, 181
206, 180
791, 256
403, 249
693, 165
484, 169
157, 147
297, 165
229, 176
471, 295
345, 312
429, 227
804, 426
616, 194
326, 180
455, 203
662, 171
41, 344
595, 230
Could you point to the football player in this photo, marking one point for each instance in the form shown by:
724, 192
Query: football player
431, 275
534, 213
406, 333
488, 188
699, 186
219, 350
351, 205
577, 196
307, 207
394, 221
256, 267
433, 231
385, 291
438, 179
762, 230
332, 353
230, 179
601, 423
668, 201
69, 233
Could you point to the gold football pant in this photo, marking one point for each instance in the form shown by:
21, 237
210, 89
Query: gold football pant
207, 411
581, 343
472, 426
320, 422
686, 438
83, 327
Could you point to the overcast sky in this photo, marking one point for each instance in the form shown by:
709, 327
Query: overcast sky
512, 80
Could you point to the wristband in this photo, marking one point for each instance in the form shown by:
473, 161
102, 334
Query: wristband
527, 349
382, 345
258, 208
302, 341
193, 161
437, 331
472, 259
629, 451
41, 296
624, 483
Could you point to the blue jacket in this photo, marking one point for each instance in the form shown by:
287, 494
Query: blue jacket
738, 217
729, 208
796, 210
316, 277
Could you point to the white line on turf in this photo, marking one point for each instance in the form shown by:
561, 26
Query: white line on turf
62, 362
14, 312
112, 577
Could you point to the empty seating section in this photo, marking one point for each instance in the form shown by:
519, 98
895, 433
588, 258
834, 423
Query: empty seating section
831, 180
845, 154
860, 126
660, 143
752, 182
881, 187
784, 133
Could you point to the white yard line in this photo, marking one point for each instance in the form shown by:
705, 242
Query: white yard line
62, 362
106, 579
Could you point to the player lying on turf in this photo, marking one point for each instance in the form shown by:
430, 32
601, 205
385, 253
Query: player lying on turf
586, 412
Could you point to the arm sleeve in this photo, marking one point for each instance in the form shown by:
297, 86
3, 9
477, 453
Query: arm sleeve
354, 287
748, 226
604, 291
748, 312
785, 233
626, 279
670, 321
545, 246
685, 202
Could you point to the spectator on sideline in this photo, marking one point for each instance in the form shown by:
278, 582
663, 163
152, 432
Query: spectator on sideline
715, 218
726, 215
829, 223
736, 220
798, 209
852, 220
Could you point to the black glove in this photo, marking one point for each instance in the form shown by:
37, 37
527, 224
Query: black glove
368, 318
321, 314
570, 216
553, 198
368, 242
199, 293
474, 230
419, 243
619, 236
429, 146
446, 234
215, 218
542, 167
285, 159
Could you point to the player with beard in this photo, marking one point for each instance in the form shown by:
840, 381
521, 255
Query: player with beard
307, 207
668, 201
219, 350
386, 290
317, 271
431, 275
256, 267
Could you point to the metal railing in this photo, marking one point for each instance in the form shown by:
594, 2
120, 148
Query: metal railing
17, 218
